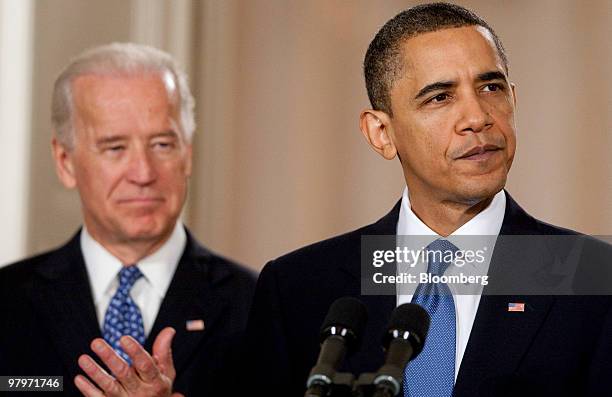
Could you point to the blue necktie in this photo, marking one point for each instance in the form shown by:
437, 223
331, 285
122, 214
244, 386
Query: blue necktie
432, 373
123, 316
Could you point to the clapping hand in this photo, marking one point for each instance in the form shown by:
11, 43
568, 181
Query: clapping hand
147, 376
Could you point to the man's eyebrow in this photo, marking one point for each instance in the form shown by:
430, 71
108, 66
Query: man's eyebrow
444, 85
493, 75
110, 139
121, 137
169, 134
439, 85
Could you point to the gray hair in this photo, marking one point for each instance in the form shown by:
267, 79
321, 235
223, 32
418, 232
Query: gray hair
117, 59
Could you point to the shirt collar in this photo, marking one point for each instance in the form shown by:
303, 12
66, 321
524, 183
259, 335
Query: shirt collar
157, 268
486, 223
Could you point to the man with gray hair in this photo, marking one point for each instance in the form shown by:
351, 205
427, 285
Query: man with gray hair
133, 275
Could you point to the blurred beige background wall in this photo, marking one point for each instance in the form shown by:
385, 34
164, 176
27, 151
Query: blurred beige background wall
279, 159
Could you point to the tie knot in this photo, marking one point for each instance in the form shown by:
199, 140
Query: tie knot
128, 276
440, 255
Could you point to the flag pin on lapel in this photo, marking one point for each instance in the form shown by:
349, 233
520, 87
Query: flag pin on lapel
516, 307
195, 325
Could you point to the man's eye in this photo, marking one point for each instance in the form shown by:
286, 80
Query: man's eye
163, 145
116, 148
492, 87
439, 98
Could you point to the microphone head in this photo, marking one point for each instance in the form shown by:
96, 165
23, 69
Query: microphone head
409, 321
346, 317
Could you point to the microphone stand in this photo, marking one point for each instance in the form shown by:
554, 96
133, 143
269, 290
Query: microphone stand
344, 385
341, 386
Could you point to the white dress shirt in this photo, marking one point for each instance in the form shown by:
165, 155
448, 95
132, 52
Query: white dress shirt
148, 292
487, 223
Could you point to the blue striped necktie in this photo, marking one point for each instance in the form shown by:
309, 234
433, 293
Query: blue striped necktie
432, 373
123, 316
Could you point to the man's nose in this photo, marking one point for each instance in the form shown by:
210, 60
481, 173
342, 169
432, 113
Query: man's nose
474, 116
141, 169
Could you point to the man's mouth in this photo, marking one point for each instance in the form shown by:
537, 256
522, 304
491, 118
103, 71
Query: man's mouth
141, 200
481, 152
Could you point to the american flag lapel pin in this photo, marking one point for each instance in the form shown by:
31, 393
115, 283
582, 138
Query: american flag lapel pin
195, 325
516, 307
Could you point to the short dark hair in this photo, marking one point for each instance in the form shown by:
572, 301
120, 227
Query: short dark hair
383, 64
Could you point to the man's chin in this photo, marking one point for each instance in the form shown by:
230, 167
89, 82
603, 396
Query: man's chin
473, 192
144, 231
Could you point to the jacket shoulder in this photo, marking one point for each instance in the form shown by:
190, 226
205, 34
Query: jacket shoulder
518, 222
219, 266
332, 253
328, 250
18, 273
240, 272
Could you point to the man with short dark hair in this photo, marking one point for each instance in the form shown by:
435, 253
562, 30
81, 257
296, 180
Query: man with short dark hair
437, 79
133, 275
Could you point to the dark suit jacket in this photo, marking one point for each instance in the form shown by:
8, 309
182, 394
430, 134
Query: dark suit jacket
49, 319
559, 346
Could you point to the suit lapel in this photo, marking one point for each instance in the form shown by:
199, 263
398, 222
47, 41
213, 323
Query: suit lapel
379, 307
499, 338
498, 341
65, 305
387, 225
190, 296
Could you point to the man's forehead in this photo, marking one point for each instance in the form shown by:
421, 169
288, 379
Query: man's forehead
123, 105
100, 93
444, 53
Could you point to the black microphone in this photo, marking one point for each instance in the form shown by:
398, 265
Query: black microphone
403, 341
341, 332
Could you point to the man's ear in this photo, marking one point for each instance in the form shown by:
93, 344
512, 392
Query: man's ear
376, 127
513, 89
64, 166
